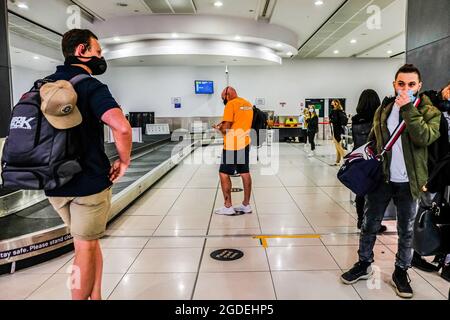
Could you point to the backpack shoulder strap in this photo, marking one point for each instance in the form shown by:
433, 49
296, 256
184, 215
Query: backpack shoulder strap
79, 78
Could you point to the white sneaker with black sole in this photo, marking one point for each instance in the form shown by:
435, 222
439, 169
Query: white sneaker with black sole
226, 211
244, 209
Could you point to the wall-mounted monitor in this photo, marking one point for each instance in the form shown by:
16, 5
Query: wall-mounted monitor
204, 87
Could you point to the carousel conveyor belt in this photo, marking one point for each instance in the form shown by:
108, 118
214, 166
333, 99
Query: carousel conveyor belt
12, 201
38, 229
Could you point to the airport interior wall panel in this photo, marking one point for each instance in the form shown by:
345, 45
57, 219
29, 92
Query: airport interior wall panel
428, 40
434, 62
5, 72
428, 21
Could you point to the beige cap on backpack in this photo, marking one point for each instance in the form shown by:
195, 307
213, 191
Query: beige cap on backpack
58, 104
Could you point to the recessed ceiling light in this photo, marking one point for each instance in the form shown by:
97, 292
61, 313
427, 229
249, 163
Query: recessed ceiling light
218, 4
22, 5
336, 51
353, 41
389, 52
237, 38
289, 53
174, 35
36, 58
117, 39
318, 3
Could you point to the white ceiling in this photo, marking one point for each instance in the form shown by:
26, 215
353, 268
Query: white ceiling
302, 17
234, 8
373, 41
33, 61
107, 9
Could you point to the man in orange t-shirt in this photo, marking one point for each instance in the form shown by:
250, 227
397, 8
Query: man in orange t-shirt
235, 126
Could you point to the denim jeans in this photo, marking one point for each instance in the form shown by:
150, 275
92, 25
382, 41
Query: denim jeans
376, 204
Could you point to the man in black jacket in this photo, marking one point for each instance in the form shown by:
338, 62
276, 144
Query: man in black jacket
439, 168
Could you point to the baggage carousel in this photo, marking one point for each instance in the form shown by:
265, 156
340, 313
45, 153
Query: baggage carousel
32, 232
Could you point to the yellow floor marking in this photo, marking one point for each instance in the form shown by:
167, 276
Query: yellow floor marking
263, 239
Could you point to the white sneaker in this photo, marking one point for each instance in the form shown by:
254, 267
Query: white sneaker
244, 209
226, 211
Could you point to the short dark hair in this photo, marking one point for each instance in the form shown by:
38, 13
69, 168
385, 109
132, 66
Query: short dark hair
74, 38
409, 68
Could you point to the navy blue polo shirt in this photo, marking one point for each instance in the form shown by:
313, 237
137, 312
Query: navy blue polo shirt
94, 99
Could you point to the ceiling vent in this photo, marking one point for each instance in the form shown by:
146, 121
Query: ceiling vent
171, 6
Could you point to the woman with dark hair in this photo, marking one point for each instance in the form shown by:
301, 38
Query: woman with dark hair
313, 128
369, 101
338, 120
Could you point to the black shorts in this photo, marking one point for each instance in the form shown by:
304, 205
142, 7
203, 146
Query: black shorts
235, 161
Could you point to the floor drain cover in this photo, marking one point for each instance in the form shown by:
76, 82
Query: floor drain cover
237, 189
227, 254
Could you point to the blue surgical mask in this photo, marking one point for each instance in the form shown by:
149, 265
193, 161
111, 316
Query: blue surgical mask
411, 95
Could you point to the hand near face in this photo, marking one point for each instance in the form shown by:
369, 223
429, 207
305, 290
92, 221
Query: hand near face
446, 93
403, 99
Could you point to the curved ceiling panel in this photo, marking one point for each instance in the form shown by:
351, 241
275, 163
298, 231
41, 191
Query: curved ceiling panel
189, 48
280, 39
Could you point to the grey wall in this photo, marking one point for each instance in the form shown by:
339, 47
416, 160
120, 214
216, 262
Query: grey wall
5, 72
428, 40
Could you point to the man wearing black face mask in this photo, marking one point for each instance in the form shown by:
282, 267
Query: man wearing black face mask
85, 202
235, 126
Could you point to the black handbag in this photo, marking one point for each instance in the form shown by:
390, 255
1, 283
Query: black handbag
432, 226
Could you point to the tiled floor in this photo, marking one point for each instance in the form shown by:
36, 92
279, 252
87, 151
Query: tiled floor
160, 247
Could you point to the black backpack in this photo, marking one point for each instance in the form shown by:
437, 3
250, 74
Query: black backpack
343, 120
259, 126
37, 156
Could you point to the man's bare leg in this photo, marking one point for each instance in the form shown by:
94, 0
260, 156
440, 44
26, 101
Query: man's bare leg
225, 182
97, 290
83, 274
247, 182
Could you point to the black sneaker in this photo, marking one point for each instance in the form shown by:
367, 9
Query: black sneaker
360, 271
359, 224
421, 264
445, 273
383, 229
400, 281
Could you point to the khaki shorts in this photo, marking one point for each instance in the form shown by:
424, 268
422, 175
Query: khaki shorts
86, 217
